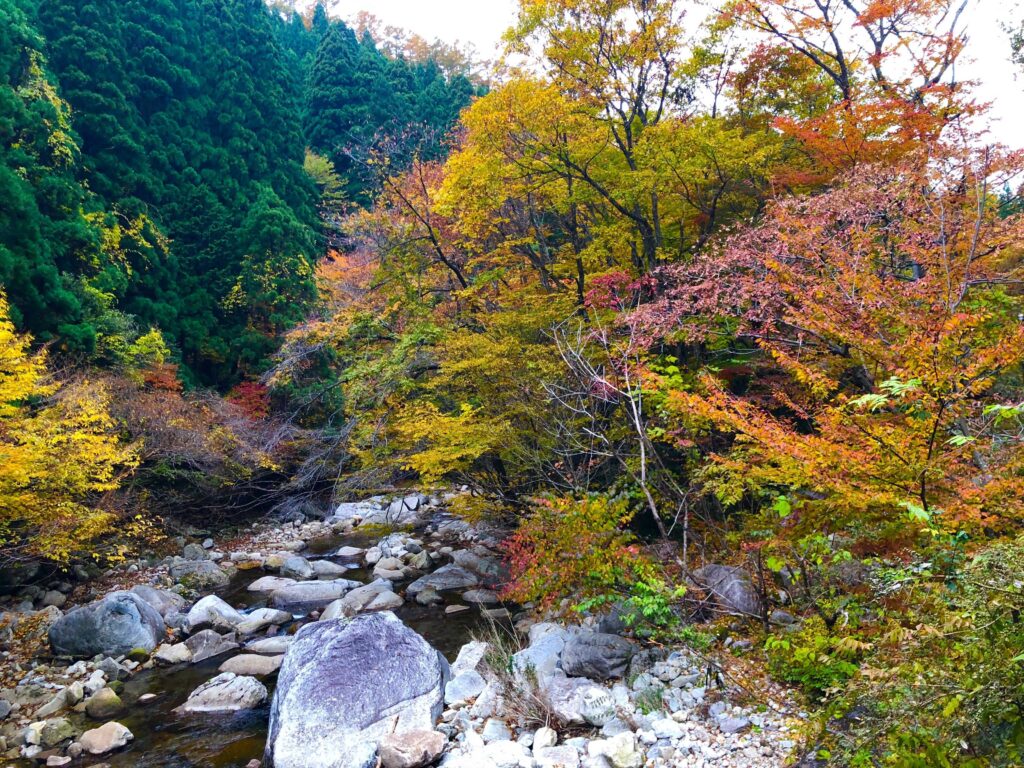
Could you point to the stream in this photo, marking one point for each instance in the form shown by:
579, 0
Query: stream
164, 739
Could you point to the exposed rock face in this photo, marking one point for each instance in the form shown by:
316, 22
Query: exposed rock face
103, 704
262, 618
412, 749
227, 692
535, 664
194, 552
731, 588
596, 655
376, 596
357, 510
214, 613
270, 584
111, 626
163, 600
207, 644
480, 561
199, 574
252, 664
480, 597
577, 700
325, 569
271, 646
168, 655
345, 685
297, 567
464, 687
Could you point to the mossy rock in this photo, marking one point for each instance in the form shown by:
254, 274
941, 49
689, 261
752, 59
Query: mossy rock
139, 655
105, 703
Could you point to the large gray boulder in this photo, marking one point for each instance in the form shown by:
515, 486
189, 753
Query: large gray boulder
376, 596
731, 589
413, 749
297, 567
444, 579
213, 612
346, 684
596, 655
535, 664
163, 600
270, 584
575, 700
486, 565
111, 626
356, 510
308, 596
262, 618
199, 574
208, 643
227, 692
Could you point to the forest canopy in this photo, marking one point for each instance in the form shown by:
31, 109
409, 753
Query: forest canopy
671, 287
154, 163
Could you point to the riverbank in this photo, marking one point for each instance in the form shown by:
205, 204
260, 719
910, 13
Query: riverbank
189, 660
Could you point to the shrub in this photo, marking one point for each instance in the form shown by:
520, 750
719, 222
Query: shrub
812, 658
943, 684
570, 547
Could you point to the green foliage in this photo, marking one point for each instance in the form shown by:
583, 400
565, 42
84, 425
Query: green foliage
645, 602
45, 232
357, 99
174, 113
940, 684
651, 603
812, 658
650, 700
185, 113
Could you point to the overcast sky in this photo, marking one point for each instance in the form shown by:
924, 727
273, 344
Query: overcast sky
482, 22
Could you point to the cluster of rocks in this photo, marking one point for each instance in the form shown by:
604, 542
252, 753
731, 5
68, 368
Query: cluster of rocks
157, 625
355, 685
355, 691
38, 712
640, 709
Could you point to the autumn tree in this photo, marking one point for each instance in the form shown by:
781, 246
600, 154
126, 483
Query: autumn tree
620, 61
61, 453
891, 66
887, 306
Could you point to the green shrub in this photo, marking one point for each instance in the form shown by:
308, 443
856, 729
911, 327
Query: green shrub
943, 684
811, 658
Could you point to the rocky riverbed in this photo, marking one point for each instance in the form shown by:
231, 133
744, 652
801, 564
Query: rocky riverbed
338, 644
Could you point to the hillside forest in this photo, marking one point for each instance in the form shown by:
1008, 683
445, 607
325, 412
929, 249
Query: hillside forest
666, 285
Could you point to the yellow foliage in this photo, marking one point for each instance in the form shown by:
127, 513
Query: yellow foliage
442, 444
60, 453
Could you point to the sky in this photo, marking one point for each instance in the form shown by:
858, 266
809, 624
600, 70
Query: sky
482, 22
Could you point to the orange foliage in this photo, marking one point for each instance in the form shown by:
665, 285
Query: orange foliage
882, 300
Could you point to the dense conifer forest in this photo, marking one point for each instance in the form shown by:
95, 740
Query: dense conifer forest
154, 166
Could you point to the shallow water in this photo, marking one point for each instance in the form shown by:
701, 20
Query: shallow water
166, 740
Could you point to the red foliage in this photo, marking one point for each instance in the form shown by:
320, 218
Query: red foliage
162, 377
618, 290
252, 398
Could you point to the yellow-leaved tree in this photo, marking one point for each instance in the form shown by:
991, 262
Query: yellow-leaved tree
60, 454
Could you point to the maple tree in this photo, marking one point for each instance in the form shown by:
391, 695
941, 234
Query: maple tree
884, 304
891, 66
